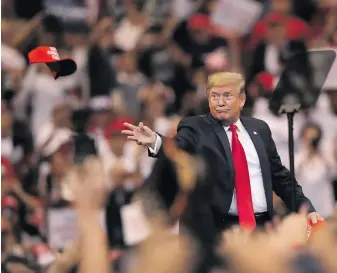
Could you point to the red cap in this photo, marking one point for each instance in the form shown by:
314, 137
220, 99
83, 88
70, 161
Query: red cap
266, 80
296, 28
199, 21
49, 55
116, 126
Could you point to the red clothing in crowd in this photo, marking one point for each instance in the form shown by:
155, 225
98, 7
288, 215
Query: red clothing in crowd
296, 28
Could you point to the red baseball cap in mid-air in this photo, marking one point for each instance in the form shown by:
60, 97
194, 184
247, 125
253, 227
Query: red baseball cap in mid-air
49, 55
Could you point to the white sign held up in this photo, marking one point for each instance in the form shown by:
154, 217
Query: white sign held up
238, 16
62, 227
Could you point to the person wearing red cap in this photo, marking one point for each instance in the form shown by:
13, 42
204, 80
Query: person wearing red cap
295, 28
7, 175
120, 165
262, 85
266, 83
39, 82
123, 177
112, 134
195, 38
11, 185
271, 54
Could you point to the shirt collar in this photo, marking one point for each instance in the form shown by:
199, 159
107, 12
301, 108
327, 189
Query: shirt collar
238, 124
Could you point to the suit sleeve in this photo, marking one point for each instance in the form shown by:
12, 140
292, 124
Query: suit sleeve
186, 139
281, 179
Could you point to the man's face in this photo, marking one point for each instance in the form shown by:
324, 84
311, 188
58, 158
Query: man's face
100, 119
310, 134
226, 102
129, 62
62, 159
116, 143
276, 34
200, 36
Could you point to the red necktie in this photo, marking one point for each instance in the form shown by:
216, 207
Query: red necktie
242, 183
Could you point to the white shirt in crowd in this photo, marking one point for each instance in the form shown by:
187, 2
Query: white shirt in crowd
110, 159
254, 168
45, 92
130, 158
271, 60
279, 127
315, 176
183, 8
323, 116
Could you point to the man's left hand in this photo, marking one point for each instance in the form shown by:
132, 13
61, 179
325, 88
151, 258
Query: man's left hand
314, 217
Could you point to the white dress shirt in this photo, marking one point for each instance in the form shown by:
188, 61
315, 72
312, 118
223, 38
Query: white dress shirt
254, 169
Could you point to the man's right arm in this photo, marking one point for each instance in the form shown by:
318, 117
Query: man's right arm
186, 139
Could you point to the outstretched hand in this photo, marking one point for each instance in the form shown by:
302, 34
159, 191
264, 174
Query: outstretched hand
141, 134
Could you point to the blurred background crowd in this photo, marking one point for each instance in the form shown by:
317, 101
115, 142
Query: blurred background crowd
144, 60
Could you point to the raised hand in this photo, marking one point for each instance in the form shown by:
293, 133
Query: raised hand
87, 183
177, 252
141, 134
297, 224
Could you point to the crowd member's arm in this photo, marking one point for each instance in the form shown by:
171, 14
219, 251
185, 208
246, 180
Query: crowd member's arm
27, 199
24, 33
89, 189
235, 53
21, 100
100, 29
94, 246
93, 8
169, 27
67, 259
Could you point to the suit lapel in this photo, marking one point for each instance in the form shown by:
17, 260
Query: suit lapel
262, 154
221, 134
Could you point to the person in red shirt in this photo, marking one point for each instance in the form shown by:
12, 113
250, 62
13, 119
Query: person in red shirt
296, 28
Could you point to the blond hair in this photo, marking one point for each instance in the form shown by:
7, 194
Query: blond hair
226, 79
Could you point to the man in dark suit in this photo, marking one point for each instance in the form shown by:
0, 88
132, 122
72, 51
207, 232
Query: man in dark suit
242, 159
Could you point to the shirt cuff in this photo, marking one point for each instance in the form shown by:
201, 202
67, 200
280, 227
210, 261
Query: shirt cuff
157, 146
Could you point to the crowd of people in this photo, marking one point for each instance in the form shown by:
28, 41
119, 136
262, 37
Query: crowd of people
148, 61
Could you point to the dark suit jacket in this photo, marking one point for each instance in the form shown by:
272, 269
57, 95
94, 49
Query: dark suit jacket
205, 136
